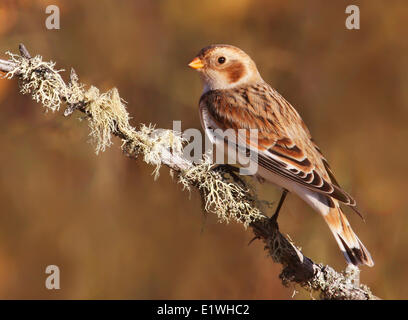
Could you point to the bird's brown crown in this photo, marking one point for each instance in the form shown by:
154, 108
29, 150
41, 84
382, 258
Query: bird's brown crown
224, 66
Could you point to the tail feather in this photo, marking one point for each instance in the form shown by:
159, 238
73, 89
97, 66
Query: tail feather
353, 249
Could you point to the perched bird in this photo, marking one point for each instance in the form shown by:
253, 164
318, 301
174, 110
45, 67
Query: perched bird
236, 97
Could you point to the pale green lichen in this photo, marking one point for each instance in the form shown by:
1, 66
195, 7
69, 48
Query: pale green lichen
41, 80
107, 115
152, 143
226, 199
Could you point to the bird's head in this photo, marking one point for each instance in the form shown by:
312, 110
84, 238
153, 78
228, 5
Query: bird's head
224, 66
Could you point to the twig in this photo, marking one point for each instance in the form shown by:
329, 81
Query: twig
23, 51
6, 66
222, 191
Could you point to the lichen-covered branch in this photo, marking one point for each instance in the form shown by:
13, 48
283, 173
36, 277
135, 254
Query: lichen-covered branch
223, 192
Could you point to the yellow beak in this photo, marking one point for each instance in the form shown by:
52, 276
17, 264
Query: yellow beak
196, 63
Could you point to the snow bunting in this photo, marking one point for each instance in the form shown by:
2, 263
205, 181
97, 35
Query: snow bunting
236, 97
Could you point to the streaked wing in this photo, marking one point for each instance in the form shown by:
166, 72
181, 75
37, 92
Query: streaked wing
284, 145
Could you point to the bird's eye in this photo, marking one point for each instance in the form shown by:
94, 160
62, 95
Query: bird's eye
221, 60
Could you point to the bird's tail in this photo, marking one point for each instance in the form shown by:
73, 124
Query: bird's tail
353, 249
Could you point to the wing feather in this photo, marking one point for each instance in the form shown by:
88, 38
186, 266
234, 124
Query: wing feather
284, 145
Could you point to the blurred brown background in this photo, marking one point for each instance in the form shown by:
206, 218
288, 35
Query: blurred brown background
116, 233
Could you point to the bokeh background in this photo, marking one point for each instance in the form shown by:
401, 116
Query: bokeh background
114, 231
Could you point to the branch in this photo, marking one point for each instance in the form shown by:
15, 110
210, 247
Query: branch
222, 191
